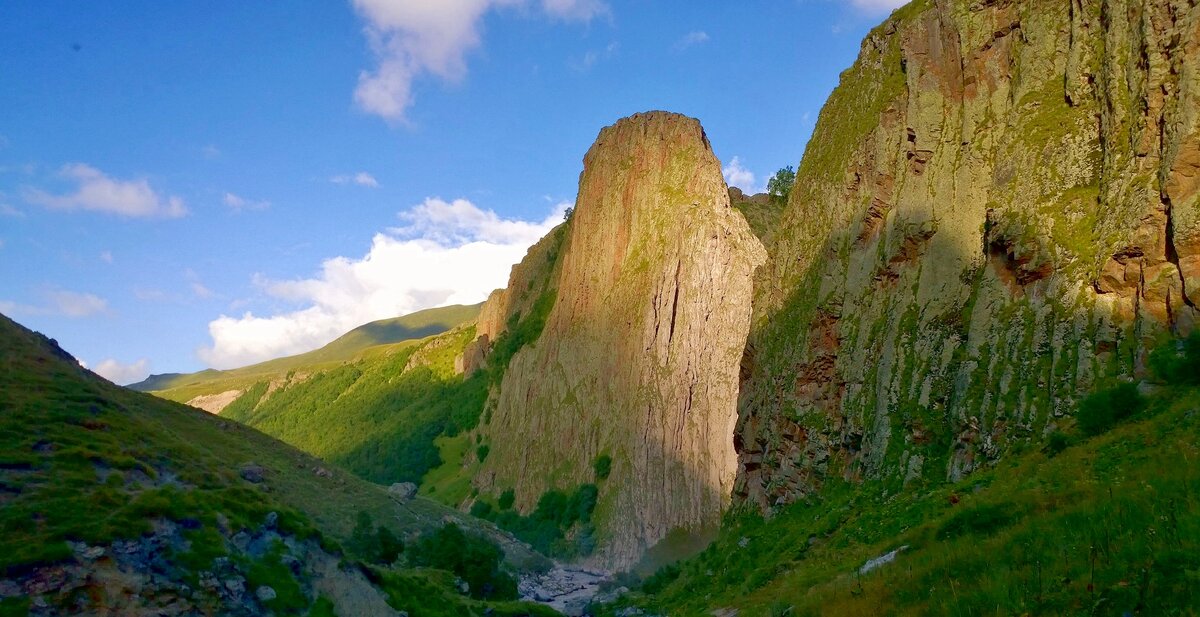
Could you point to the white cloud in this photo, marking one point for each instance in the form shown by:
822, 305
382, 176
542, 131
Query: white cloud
238, 202
100, 193
410, 38
877, 7
361, 178
197, 286
3, 142
210, 152
7, 210
59, 302
106, 256
445, 253
695, 37
736, 175
121, 374
74, 304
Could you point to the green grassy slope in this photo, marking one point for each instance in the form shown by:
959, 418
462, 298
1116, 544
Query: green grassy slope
83, 460
1095, 524
377, 336
377, 416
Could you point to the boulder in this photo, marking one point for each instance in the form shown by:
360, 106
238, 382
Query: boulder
403, 491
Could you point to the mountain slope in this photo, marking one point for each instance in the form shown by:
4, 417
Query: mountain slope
114, 499
368, 339
1090, 525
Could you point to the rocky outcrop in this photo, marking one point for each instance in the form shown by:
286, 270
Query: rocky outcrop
144, 576
638, 356
997, 210
214, 403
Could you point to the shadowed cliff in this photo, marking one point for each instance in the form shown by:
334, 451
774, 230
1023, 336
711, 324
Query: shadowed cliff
997, 211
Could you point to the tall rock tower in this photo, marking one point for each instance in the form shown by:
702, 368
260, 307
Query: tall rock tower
639, 356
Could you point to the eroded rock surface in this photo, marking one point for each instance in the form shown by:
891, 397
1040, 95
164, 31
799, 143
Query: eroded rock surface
639, 356
997, 211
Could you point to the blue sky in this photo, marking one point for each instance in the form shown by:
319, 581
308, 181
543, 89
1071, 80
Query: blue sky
184, 184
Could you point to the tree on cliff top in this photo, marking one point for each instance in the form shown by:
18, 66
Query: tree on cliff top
781, 183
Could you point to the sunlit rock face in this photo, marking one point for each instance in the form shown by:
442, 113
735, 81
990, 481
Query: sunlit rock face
639, 356
997, 212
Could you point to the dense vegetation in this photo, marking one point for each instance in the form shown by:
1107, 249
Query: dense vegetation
1106, 523
377, 417
84, 461
560, 525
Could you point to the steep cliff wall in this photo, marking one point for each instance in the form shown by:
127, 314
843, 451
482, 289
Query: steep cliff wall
638, 357
998, 208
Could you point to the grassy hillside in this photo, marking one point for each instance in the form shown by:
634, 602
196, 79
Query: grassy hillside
1104, 521
83, 461
377, 416
374, 338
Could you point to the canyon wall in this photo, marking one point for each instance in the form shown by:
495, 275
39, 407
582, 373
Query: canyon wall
997, 211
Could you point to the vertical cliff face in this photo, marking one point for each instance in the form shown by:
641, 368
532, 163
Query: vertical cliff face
639, 356
998, 209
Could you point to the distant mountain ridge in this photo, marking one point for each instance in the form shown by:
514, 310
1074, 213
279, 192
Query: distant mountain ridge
391, 331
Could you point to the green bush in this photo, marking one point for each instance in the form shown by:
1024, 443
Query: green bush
481, 452
1178, 362
473, 559
603, 466
506, 499
983, 519
1101, 410
481, 509
1056, 442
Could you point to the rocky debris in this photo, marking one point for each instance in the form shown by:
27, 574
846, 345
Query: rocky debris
566, 589
215, 403
271, 520
724, 612
143, 576
881, 560
654, 251
403, 491
253, 473
321, 472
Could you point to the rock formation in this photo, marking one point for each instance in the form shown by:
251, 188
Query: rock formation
997, 210
638, 357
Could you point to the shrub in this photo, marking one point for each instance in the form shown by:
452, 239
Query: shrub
481, 452
481, 509
472, 558
603, 466
1101, 410
1056, 442
983, 519
506, 499
1178, 362
659, 580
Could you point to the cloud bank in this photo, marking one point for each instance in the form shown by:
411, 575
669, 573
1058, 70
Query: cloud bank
100, 193
443, 253
59, 302
410, 38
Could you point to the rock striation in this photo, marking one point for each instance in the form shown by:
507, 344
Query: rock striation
638, 359
998, 210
